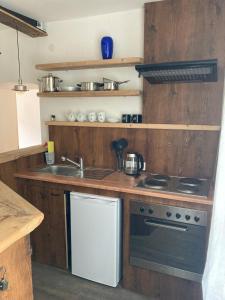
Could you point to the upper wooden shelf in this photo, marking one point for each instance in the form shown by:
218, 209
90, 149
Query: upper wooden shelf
117, 93
90, 64
12, 21
136, 126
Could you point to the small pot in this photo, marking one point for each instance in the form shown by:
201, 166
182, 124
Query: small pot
49, 83
90, 86
110, 85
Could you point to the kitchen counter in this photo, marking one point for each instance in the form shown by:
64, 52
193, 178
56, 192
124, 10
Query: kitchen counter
118, 182
17, 217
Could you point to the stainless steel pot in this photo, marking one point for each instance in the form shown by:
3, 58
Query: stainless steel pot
110, 85
90, 86
49, 83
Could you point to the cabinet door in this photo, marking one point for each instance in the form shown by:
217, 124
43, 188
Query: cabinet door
49, 239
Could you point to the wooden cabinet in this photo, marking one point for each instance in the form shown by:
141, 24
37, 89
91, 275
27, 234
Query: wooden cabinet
16, 263
49, 239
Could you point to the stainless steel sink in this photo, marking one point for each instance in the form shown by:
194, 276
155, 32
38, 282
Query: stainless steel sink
65, 170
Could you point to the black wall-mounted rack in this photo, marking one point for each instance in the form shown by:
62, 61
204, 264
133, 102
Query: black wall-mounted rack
183, 71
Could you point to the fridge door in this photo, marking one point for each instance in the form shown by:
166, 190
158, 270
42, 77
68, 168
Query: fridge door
96, 237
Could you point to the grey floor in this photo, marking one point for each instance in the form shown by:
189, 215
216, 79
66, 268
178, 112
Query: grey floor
51, 283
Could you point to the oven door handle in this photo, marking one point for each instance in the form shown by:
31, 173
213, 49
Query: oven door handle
163, 225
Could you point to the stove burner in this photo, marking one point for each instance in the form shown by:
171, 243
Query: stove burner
187, 189
161, 178
188, 181
155, 184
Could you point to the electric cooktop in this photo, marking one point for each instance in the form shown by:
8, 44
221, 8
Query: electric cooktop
174, 184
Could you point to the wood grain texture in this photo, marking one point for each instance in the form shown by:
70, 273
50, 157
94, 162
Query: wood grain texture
8, 168
49, 239
91, 64
17, 262
135, 125
181, 153
17, 217
116, 93
19, 153
116, 182
14, 22
177, 30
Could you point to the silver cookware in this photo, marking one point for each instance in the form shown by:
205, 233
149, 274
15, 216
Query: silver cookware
49, 83
90, 86
110, 85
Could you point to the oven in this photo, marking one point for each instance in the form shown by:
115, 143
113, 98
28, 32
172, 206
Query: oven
168, 239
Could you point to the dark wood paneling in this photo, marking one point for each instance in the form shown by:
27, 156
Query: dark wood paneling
178, 30
9, 168
184, 153
49, 239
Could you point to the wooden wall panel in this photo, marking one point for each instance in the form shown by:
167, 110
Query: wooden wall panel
177, 30
17, 261
161, 149
9, 168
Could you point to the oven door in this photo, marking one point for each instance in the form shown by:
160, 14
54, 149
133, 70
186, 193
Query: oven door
168, 247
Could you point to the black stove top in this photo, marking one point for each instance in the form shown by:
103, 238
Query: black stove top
175, 184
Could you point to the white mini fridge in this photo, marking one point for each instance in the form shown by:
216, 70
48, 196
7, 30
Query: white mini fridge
95, 223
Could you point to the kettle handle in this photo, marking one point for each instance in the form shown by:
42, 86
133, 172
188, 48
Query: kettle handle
141, 160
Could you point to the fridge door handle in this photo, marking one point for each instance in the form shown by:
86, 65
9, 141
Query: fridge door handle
95, 201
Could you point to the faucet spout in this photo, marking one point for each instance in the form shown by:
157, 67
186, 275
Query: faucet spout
80, 165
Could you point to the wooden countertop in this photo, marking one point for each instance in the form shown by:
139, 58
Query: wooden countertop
118, 182
17, 217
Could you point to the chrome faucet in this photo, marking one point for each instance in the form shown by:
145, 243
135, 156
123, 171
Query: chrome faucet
80, 165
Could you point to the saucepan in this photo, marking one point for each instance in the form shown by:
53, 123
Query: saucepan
110, 85
49, 83
90, 86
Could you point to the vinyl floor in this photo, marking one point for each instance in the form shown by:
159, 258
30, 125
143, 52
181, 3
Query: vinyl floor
53, 284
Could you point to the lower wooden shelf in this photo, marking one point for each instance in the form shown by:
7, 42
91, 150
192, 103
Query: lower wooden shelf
117, 93
135, 125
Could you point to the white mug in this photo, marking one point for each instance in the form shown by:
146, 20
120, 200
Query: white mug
92, 117
101, 116
71, 116
81, 117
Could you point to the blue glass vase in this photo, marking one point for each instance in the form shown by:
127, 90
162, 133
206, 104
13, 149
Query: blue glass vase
107, 47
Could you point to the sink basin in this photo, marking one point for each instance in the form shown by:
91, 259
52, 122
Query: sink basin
66, 170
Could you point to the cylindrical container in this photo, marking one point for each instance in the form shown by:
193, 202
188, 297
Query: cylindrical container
107, 47
49, 83
126, 118
137, 118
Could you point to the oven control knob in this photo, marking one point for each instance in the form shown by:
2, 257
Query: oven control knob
187, 217
151, 211
169, 214
178, 216
197, 219
142, 210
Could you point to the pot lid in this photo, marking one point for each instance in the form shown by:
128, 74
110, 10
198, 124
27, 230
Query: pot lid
50, 75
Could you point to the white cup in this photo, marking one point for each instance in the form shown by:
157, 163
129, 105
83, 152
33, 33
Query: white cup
101, 116
92, 117
70, 116
81, 117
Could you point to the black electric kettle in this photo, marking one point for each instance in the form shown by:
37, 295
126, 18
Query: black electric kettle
133, 163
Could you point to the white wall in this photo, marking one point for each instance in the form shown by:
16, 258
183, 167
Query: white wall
79, 40
8, 121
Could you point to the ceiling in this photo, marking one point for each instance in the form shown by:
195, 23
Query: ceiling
56, 10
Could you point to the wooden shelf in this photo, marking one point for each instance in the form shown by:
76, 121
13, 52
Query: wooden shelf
117, 93
12, 21
136, 126
91, 64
